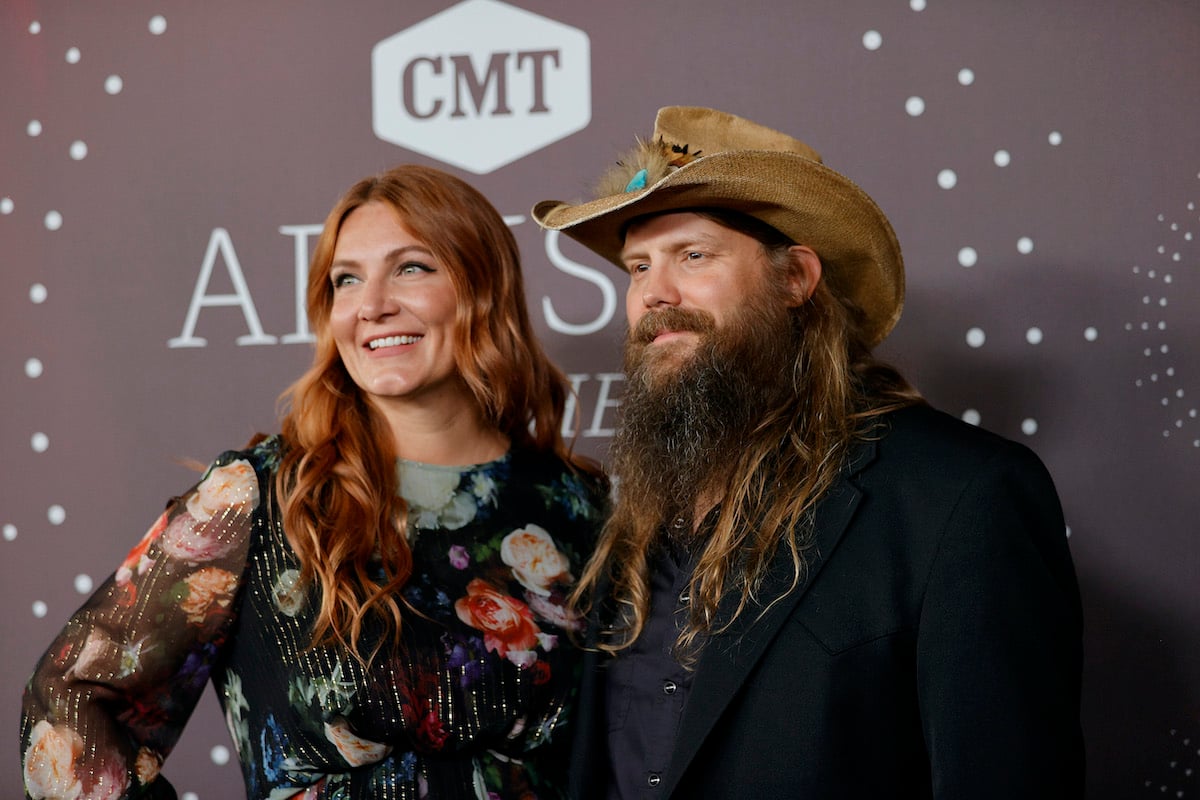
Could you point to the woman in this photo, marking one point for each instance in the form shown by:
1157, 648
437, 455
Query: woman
377, 593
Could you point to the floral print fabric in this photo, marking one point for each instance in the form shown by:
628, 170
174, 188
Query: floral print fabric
473, 704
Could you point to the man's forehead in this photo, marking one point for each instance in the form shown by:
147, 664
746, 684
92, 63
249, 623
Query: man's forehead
677, 226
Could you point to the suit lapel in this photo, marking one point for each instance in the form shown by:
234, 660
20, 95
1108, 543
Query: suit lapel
728, 658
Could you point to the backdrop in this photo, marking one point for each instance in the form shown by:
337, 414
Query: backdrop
165, 165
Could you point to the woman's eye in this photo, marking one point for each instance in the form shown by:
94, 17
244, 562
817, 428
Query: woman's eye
414, 268
341, 280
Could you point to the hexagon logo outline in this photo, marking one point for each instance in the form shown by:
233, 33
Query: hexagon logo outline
481, 84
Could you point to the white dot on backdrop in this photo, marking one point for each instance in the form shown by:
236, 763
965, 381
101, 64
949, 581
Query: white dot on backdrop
37, 293
1034, 335
976, 337
83, 584
971, 417
219, 755
1068, 531
33, 368
915, 106
34, 128
1002, 158
35, 27
966, 77
1029, 426
113, 84
189, 796
916, 5
10, 532
872, 40
53, 220
967, 257
1091, 334
1055, 138
40, 442
39, 609
56, 514
158, 24
1025, 245
6, 205
947, 179
78, 150
73, 55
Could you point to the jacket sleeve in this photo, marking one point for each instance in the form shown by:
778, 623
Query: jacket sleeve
109, 699
999, 643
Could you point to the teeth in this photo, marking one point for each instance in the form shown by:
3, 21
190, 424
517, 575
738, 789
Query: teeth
392, 341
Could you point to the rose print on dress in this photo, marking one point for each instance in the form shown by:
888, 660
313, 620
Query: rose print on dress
535, 560
508, 626
228, 486
50, 762
356, 750
209, 592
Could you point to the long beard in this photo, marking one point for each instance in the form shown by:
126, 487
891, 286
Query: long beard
686, 416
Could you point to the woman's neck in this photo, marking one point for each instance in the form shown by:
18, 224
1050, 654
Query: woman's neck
450, 432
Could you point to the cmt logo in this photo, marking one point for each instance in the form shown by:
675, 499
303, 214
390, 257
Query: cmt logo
481, 84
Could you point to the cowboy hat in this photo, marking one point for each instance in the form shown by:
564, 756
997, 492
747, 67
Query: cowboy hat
702, 158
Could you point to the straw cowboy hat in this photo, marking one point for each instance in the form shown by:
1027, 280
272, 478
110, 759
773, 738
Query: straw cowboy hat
701, 158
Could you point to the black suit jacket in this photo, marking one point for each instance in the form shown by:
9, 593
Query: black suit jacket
933, 651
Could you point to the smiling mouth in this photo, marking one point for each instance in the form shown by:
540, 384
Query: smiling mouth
393, 341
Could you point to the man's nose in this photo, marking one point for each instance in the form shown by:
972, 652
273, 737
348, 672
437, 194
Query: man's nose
659, 288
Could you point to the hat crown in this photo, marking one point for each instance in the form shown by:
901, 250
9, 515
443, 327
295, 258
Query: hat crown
706, 131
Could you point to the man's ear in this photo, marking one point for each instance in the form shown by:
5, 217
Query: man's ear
805, 274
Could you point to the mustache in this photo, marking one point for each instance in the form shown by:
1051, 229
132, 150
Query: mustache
673, 319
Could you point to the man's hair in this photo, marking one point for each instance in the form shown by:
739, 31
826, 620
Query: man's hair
337, 481
839, 392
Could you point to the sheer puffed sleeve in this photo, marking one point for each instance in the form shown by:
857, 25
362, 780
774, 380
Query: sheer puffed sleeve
109, 699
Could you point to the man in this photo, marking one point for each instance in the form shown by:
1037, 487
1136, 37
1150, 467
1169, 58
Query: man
813, 585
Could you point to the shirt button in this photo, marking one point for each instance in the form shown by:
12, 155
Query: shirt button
669, 687
653, 779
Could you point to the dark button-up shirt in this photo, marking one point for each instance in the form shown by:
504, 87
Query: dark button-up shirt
647, 688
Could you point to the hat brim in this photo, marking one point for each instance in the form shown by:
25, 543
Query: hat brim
801, 198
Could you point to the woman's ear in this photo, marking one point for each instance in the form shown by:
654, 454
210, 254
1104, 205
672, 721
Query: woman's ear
805, 274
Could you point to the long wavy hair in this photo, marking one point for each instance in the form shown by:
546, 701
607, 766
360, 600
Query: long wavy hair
840, 392
337, 483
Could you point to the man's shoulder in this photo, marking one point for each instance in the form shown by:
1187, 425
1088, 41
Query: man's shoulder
922, 434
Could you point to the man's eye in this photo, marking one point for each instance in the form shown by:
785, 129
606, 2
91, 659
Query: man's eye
693, 255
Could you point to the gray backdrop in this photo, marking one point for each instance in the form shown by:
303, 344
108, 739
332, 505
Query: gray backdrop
1039, 161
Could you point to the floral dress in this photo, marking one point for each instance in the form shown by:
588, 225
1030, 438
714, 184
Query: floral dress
472, 704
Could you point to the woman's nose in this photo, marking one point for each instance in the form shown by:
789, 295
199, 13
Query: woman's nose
377, 301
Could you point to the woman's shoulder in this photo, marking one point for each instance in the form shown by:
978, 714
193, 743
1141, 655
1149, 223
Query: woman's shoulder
262, 452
